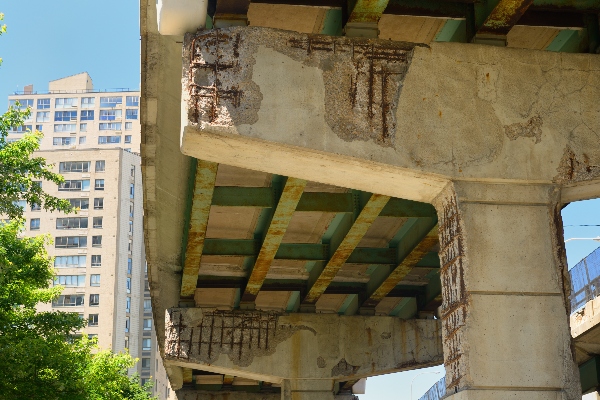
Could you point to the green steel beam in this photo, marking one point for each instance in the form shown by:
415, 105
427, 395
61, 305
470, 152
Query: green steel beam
206, 174
414, 245
589, 373
367, 10
568, 41
454, 30
279, 222
503, 17
332, 25
568, 5
232, 196
359, 228
310, 252
431, 8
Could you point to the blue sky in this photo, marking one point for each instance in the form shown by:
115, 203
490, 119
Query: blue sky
50, 40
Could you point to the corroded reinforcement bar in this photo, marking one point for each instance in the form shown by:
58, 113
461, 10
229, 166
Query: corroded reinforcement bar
367, 216
281, 218
206, 174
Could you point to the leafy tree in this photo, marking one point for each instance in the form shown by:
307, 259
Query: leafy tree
20, 172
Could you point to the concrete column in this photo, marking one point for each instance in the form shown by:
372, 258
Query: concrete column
505, 285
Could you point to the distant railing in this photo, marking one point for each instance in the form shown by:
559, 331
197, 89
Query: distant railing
33, 92
437, 391
585, 280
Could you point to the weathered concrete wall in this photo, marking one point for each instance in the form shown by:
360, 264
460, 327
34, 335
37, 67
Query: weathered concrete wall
191, 394
271, 347
449, 111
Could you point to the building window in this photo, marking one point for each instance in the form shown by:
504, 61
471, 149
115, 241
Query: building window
127, 324
131, 210
65, 116
95, 280
70, 280
34, 224
131, 190
63, 141
87, 115
99, 203
97, 222
69, 261
69, 242
94, 299
110, 115
68, 301
93, 320
74, 166
147, 324
23, 103
97, 241
91, 336
128, 126
65, 102
39, 128
131, 114
20, 203
129, 265
82, 204
130, 246
82, 139
128, 285
87, 102
43, 104
99, 184
100, 166
36, 207
75, 184
127, 343
110, 126
131, 227
96, 260
146, 286
127, 304
147, 305
132, 101
72, 223
83, 127
109, 139
127, 138
145, 363
112, 101
20, 129
42, 116
132, 171
71, 128
146, 344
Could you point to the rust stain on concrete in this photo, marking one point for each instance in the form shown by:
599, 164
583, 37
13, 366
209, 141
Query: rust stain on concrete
576, 168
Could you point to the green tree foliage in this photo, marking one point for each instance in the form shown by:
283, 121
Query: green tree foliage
20, 172
41, 357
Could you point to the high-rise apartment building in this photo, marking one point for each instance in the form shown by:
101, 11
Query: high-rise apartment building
72, 115
92, 138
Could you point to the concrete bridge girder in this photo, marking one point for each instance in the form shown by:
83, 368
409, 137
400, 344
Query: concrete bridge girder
309, 347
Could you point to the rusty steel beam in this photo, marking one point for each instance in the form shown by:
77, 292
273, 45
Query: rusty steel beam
204, 184
368, 10
404, 267
286, 206
503, 17
359, 228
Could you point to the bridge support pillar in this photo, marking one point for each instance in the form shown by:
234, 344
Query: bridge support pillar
505, 290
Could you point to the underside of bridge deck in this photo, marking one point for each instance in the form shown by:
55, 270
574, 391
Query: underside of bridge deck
322, 208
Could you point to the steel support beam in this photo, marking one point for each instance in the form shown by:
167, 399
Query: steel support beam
310, 252
362, 223
281, 218
568, 41
504, 16
204, 183
233, 196
416, 244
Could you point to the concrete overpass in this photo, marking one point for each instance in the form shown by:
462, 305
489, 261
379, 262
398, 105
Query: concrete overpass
313, 200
